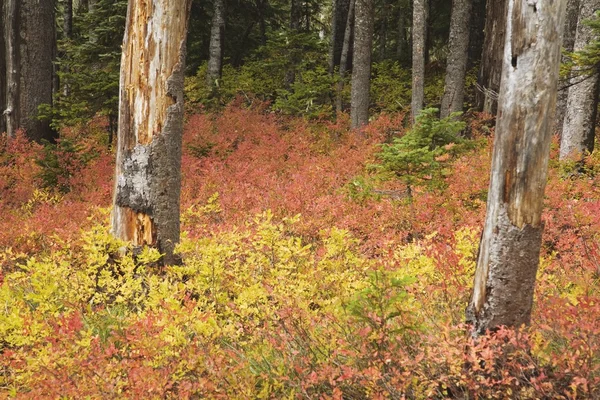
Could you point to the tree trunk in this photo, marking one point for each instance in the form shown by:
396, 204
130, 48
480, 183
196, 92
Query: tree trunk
568, 43
476, 34
383, 31
510, 244
344, 57
582, 104
148, 169
296, 15
490, 72
68, 35
361, 66
419, 37
401, 35
11, 29
2, 68
456, 69
338, 29
215, 52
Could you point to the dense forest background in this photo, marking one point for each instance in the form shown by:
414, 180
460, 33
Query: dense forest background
335, 170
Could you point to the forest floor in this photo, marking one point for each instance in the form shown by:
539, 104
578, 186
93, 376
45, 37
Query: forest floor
303, 275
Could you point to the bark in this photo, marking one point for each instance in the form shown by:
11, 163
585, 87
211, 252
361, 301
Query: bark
419, 38
476, 34
401, 36
490, 72
344, 57
215, 52
456, 68
568, 43
338, 29
510, 244
296, 15
2, 68
11, 29
582, 103
383, 30
68, 19
361, 66
148, 168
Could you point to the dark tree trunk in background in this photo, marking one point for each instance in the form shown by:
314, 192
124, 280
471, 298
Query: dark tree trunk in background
568, 43
579, 125
338, 29
383, 30
476, 34
490, 72
344, 56
215, 51
148, 169
419, 38
401, 42
456, 68
261, 6
361, 66
296, 15
68, 35
510, 244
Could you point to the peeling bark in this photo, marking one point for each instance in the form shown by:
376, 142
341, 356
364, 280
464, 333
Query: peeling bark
419, 39
148, 170
579, 125
510, 244
361, 67
456, 69
490, 72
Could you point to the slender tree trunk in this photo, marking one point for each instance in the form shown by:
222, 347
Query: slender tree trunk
68, 35
148, 169
296, 15
344, 57
361, 67
510, 245
568, 44
2, 68
582, 104
384, 29
262, 24
456, 69
215, 52
401, 35
13, 71
476, 34
490, 72
338, 29
419, 38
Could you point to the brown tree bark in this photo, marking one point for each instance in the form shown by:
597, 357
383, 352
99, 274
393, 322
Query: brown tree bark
476, 32
578, 131
568, 43
510, 244
490, 72
338, 29
401, 42
361, 66
456, 68
344, 56
215, 52
419, 39
148, 169
2, 68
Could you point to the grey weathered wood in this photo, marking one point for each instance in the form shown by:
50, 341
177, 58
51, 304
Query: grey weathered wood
456, 68
215, 51
419, 38
510, 244
344, 56
361, 66
148, 169
579, 124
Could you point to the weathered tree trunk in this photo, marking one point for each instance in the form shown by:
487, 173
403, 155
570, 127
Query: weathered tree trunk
419, 38
361, 66
490, 72
476, 34
148, 169
215, 52
338, 29
568, 43
456, 69
582, 104
2, 68
510, 244
11, 29
344, 56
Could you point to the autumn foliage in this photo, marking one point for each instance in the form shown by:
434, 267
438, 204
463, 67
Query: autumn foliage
304, 275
